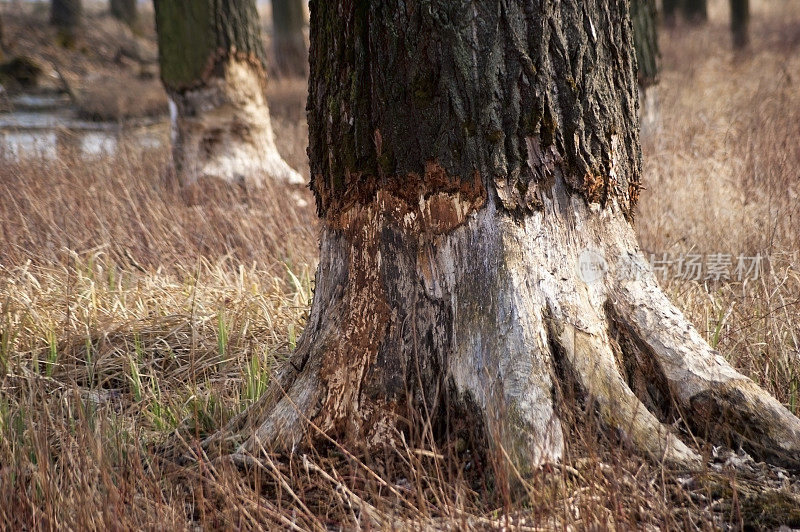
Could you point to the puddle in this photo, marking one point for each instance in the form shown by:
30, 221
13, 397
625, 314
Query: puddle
26, 145
39, 102
29, 134
98, 145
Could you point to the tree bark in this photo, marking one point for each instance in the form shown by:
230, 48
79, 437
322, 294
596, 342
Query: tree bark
740, 21
695, 11
289, 44
126, 11
476, 167
213, 67
66, 16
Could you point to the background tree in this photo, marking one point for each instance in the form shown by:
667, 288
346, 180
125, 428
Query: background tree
476, 195
213, 67
126, 11
740, 21
670, 10
2, 40
695, 11
289, 42
645, 36
66, 15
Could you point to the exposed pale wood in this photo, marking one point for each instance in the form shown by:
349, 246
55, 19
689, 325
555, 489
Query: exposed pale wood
212, 63
450, 286
222, 130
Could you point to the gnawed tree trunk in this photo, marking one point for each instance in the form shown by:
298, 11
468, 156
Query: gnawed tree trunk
476, 167
212, 65
740, 21
289, 43
695, 11
66, 16
125, 11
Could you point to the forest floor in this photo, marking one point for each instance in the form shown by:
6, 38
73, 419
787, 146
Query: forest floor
132, 320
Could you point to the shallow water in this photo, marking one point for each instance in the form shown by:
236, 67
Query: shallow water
42, 125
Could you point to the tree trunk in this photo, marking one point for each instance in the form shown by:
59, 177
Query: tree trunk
2, 41
212, 65
289, 44
695, 11
740, 20
645, 36
66, 16
670, 10
126, 11
476, 167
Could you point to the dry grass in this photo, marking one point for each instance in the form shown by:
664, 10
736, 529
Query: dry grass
133, 317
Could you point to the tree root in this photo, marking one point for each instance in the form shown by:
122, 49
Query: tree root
721, 403
481, 314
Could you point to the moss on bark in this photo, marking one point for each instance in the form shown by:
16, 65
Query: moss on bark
442, 81
194, 37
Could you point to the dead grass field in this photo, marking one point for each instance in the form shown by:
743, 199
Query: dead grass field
134, 321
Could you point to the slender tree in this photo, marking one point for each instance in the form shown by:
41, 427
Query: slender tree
740, 21
2, 40
289, 43
126, 11
695, 11
476, 170
213, 66
670, 10
645, 36
66, 16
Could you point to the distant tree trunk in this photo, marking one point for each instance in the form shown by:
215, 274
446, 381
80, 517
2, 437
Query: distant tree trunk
476, 170
740, 21
695, 11
2, 41
126, 11
670, 10
645, 36
289, 44
66, 16
213, 66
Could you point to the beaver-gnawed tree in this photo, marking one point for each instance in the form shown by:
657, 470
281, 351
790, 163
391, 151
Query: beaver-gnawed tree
476, 167
213, 66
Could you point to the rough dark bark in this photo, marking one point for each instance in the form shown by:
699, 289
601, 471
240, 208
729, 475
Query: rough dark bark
645, 35
740, 21
212, 62
126, 11
66, 16
476, 167
289, 42
406, 87
695, 11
